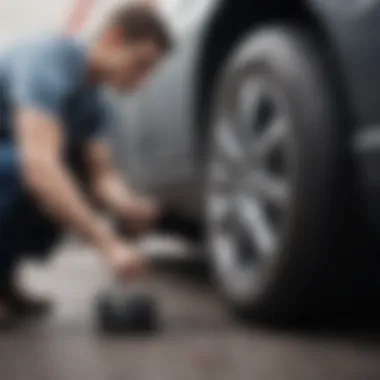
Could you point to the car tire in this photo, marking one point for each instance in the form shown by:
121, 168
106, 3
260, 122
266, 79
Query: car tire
272, 197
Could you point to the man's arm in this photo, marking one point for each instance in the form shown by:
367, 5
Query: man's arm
40, 141
110, 189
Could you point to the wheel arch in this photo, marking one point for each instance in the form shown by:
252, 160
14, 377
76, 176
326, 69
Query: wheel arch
228, 24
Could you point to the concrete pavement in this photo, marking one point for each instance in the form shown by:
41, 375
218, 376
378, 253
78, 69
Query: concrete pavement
199, 339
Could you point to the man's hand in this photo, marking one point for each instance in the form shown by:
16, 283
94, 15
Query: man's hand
139, 214
125, 260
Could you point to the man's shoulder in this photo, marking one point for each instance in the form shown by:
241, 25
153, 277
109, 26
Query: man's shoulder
58, 45
41, 47
58, 57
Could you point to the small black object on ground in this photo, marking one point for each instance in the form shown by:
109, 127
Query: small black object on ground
123, 312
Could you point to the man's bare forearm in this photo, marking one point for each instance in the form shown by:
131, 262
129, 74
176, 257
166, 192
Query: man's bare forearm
112, 191
54, 187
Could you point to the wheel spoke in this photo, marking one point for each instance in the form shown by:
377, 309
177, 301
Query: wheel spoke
249, 99
229, 146
271, 188
226, 258
270, 138
218, 208
221, 179
254, 220
224, 248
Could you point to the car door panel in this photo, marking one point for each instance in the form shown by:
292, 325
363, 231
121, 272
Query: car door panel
166, 141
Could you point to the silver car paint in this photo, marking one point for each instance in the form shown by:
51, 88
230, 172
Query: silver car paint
153, 141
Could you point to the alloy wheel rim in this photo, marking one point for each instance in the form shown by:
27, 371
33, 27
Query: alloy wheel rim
249, 189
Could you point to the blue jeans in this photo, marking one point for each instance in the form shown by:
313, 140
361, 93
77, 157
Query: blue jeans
24, 230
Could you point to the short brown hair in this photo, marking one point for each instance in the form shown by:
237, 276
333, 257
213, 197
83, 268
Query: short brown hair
141, 21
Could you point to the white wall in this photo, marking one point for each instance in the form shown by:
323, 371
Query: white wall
20, 18
99, 14
23, 17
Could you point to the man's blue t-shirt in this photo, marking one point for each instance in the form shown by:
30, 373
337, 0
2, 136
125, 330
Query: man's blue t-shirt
46, 73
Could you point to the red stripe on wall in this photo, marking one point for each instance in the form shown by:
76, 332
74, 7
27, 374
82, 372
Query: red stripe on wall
79, 15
